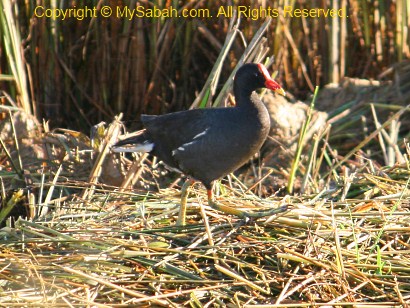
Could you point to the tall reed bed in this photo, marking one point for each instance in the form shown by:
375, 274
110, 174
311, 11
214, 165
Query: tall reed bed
79, 72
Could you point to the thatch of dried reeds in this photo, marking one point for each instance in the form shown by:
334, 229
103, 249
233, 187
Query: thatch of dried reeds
344, 240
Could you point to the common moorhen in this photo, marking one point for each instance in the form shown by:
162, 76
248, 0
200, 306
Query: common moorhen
208, 144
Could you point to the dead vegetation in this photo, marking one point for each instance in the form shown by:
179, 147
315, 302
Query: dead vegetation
82, 227
343, 242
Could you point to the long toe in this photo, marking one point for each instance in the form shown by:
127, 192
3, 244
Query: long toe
244, 214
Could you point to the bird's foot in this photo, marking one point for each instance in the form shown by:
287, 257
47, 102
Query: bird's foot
243, 214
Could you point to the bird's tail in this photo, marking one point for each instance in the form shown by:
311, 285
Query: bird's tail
139, 142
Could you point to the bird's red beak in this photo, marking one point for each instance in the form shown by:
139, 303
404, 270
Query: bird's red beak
269, 82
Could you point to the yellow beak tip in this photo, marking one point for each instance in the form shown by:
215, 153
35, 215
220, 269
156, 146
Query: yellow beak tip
281, 91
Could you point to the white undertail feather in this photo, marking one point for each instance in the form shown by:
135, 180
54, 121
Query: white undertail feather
141, 148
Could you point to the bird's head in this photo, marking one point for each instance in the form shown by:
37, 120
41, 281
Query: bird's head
252, 76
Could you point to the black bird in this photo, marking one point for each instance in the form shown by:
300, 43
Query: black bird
207, 144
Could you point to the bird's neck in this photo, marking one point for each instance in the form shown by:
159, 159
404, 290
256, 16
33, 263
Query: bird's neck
246, 97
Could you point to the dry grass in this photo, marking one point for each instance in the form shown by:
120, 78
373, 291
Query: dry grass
123, 249
344, 240
94, 245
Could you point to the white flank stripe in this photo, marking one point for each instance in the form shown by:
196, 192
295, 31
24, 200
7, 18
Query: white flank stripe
143, 148
194, 140
201, 134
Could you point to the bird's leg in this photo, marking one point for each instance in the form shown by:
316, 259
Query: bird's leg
239, 213
184, 197
223, 208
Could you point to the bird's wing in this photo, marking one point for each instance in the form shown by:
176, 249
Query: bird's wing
171, 131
